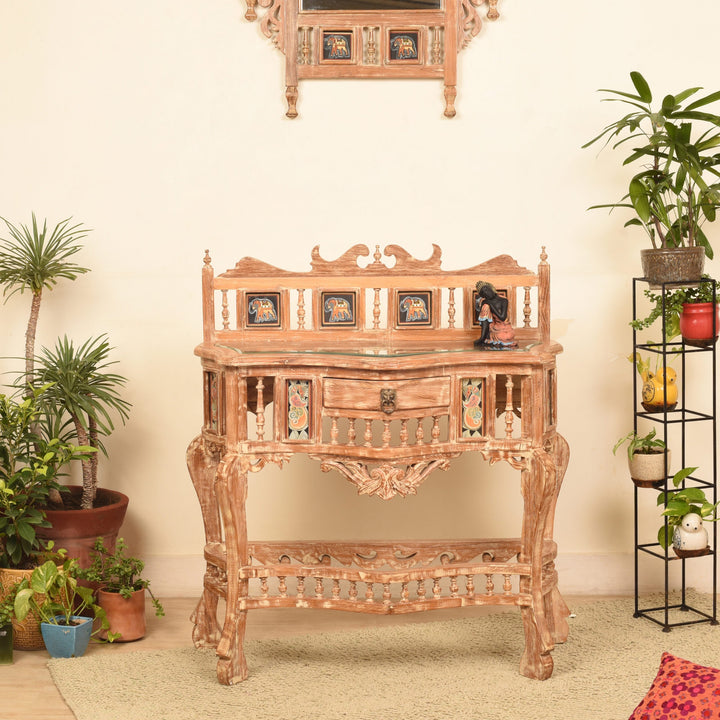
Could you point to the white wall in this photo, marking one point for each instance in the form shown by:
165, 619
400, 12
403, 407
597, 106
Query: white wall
160, 124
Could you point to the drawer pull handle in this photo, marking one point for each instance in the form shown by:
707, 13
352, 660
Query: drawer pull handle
388, 397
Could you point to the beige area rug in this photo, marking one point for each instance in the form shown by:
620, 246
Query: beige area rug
450, 670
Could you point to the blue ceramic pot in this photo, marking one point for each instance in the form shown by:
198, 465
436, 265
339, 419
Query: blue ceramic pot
66, 641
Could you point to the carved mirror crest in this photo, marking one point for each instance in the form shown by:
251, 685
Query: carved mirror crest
370, 39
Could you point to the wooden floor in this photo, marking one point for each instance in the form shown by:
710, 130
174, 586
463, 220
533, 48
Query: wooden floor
28, 693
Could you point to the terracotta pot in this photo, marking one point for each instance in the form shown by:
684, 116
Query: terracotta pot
696, 323
77, 530
664, 265
647, 470
125, 615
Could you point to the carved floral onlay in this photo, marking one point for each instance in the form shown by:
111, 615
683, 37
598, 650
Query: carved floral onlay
387, 479
376, 555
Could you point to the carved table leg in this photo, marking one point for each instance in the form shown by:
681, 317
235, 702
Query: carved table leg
540, 484
291, 95
202, 462
556, 606
450, 95
231, 491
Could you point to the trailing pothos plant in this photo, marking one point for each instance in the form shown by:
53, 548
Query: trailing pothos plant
115, 571
53, 593
645, 444
30, 463
679, 503
671, 304
674, 146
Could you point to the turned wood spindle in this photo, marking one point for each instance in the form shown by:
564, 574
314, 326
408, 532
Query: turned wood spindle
225, 310
435, 430
451, 307
527, 308
386, 435
368, 433
509, 420
301, 309
489, 584
470, 586
260, 410
376, 309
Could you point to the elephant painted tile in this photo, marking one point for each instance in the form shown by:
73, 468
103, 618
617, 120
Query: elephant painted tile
263, 309
337, 46
414, 308
338, 309
404, 45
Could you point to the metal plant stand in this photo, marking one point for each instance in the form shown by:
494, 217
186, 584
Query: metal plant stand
693, 414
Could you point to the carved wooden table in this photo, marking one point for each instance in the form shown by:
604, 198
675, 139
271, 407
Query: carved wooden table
372, 372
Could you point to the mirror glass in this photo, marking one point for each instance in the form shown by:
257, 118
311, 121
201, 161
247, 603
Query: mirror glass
371, 4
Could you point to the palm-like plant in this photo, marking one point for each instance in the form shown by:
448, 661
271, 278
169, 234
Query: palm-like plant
677, 188
82, 391
34, 259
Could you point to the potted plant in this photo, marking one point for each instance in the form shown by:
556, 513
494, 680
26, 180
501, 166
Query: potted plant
34, 258
684, 513
648, 458
121, 589
83, 391
691, 311
29, 467
53, 593
675, 189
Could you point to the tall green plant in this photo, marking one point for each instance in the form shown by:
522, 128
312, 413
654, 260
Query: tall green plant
676, 189
81, 386
35, 259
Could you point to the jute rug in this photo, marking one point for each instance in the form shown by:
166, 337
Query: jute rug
448, 670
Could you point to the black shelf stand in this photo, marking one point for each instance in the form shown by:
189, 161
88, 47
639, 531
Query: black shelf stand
682, 419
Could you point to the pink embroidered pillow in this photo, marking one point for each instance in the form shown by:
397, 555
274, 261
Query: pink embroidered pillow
681, 691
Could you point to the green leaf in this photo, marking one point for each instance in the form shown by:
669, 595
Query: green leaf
680, 475
643, 89
639, 199
704, 101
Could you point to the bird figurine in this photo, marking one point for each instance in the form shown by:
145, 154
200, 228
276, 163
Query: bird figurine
690, 534
659, 389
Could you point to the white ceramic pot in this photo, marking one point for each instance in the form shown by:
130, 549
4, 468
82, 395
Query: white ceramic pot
649, 469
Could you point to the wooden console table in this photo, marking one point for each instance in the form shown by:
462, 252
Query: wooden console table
372, 371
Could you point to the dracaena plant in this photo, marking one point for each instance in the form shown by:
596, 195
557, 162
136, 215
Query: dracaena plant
83, 391
35, 258
674, 147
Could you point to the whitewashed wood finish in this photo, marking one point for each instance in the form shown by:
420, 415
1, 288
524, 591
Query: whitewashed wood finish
442, 33
384, 420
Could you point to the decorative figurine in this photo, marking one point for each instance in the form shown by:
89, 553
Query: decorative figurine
496, 332
690, 535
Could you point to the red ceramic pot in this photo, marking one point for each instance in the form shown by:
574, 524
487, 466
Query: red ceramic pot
696, 323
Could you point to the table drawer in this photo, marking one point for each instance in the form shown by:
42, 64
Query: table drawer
386, 395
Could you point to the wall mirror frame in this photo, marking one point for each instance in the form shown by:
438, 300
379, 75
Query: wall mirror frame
370, 39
